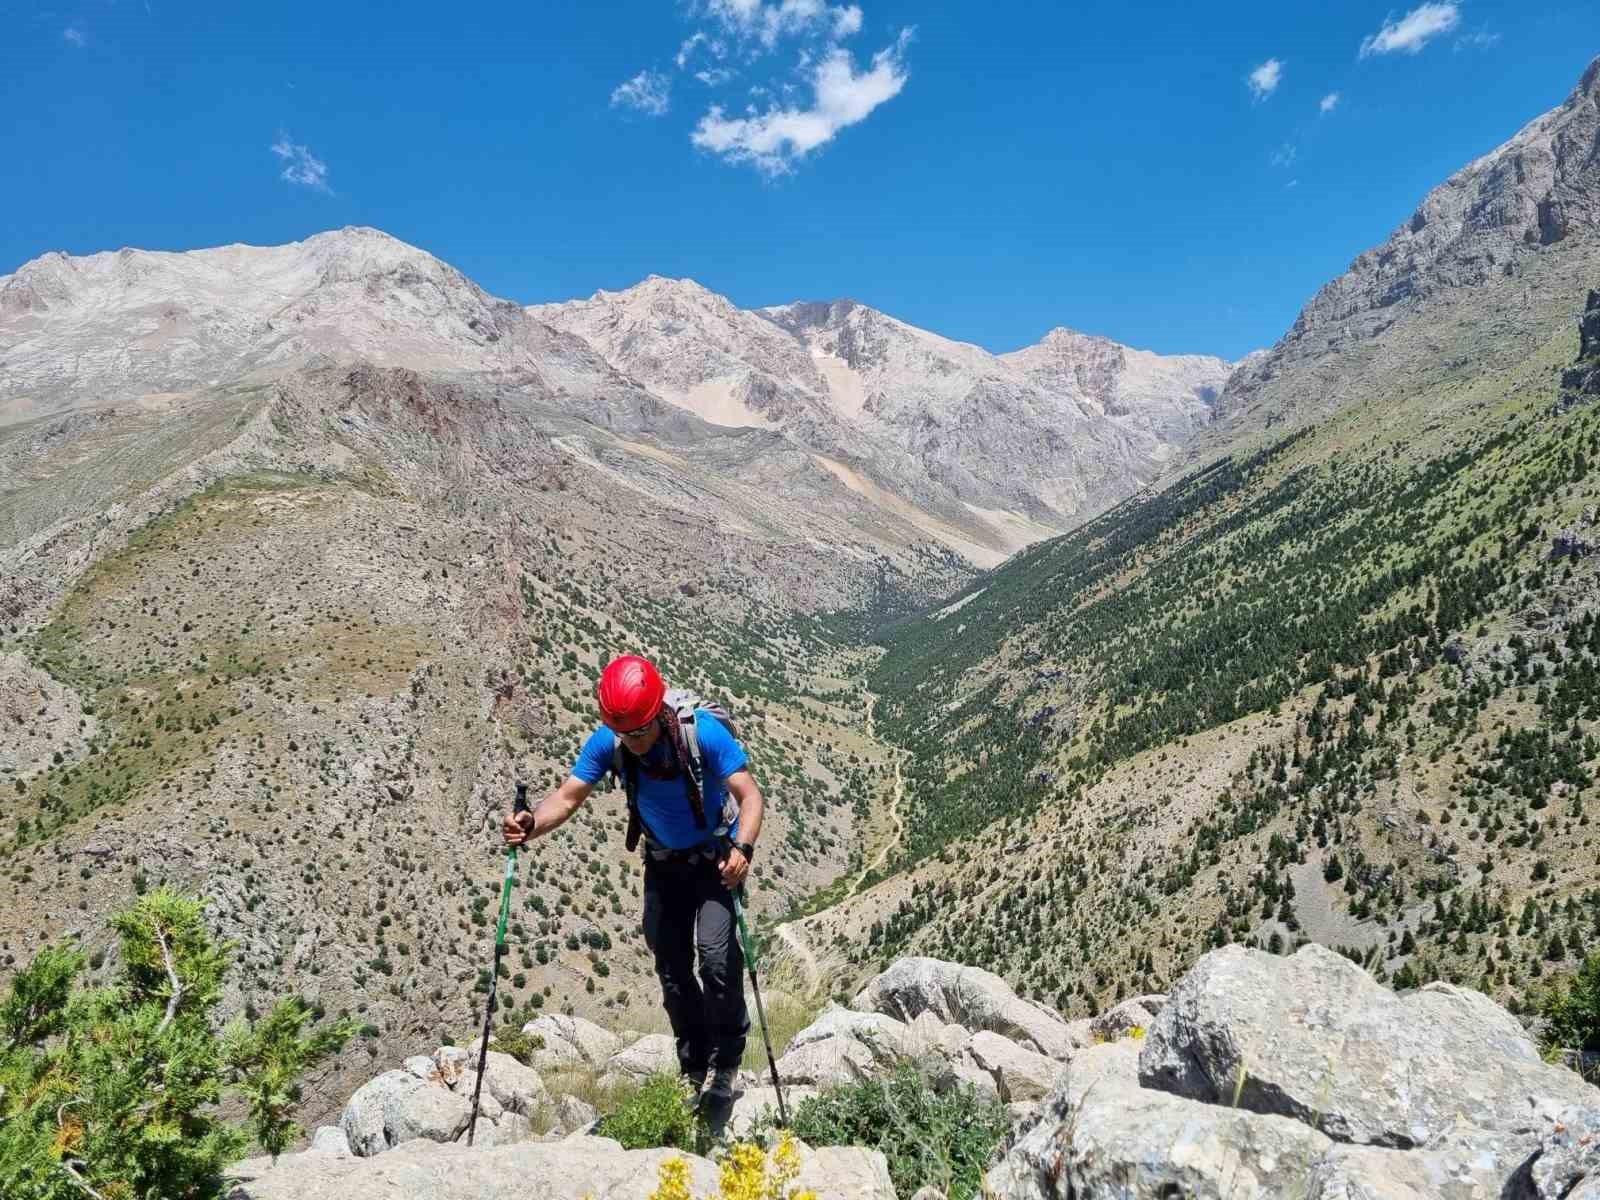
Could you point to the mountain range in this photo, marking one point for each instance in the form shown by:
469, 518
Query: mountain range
1070, 662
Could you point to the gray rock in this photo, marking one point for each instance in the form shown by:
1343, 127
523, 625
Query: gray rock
843, 1047
367, 1113
752, 1104
576, 1169
1315, 1038
1133, 1144
573, 1115
433, 1114
1569, 1154
967, 996
1468, 1164
1119, 1021
1018, 1074
571, 1042
422, 1066
650, 1055
928, 1192
330, 1139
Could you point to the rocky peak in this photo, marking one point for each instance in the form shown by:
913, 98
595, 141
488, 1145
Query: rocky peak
1479, 238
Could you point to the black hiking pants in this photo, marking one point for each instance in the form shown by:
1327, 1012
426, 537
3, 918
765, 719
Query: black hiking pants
687, 911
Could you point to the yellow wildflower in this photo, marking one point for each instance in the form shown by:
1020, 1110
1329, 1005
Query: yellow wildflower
673, 1181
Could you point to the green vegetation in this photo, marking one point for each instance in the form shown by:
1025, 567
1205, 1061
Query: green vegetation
1572, 1010
660, 1113
113, 1091
929, 1138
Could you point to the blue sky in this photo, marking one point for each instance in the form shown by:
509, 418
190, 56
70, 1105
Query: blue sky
984, 170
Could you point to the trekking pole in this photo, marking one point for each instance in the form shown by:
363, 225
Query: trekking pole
521, 806
748, 945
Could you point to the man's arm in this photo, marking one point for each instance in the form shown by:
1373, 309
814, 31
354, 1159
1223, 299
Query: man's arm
743, 788
553, 810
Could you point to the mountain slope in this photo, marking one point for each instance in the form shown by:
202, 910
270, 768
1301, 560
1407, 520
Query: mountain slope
1478, 277
1078, 421
1340, 684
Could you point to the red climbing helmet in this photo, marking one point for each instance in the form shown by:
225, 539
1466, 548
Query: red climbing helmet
630, 693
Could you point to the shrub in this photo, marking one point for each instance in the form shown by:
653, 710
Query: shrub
114, 1091
1573, 1010
660, 1113
928, 1138
517, 1044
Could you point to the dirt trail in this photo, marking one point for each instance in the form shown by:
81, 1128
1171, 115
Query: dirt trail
792, 933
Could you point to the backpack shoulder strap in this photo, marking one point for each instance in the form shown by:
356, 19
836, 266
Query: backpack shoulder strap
626, 773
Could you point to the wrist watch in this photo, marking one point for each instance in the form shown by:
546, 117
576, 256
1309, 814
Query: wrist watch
748, 849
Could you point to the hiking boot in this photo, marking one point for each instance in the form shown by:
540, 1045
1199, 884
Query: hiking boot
696, 1081
720, 1093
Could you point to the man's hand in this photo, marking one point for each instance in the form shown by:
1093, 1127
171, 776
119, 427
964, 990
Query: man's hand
518, 827
733, 869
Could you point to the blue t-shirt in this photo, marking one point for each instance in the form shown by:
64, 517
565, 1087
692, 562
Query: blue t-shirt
664, 803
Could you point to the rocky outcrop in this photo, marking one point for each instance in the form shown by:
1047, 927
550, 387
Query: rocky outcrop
431, 1100
1582, 380
1267, 1076
967, 996
1505, 243
578, 1169
570, 1042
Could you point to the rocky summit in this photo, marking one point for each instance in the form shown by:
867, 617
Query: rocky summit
1257, 1077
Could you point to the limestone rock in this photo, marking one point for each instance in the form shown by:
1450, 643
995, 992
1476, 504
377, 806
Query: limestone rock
650, 1055
1141, 1145
574, 1115
576, 1169
330, 1139
1315, 1038
967, 996
1019, 1074
1124, 1018
1569, 1154
844, 1047
571, 1042
374, 1109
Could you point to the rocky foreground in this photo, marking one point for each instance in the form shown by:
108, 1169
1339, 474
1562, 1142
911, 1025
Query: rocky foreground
1259, 1076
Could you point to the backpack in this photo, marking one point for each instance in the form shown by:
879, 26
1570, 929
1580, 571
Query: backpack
678, 709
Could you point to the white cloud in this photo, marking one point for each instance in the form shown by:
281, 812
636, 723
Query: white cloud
784, 18
646, 91
1264, 79
715, 76
1481, 40
73, 35
1413, 31
1284, 155
1329, 102
774, 141
300, 165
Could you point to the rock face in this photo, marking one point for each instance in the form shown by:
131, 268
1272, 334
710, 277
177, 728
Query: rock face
1583, 379
1267, 1076
1512, 238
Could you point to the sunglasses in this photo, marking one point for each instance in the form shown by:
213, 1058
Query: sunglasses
642, 731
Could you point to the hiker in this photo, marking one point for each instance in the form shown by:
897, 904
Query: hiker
700, 815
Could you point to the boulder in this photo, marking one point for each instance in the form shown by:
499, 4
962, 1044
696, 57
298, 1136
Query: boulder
653, 1054
330, 1139
370, 1112
1315, 1038
1468, 1164
575, 1169
573, 1115
571, 1042
1133, 1144
1019, 1074
1125, 1018
752, 1104
844, 1047
967, 996
1569, 1154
